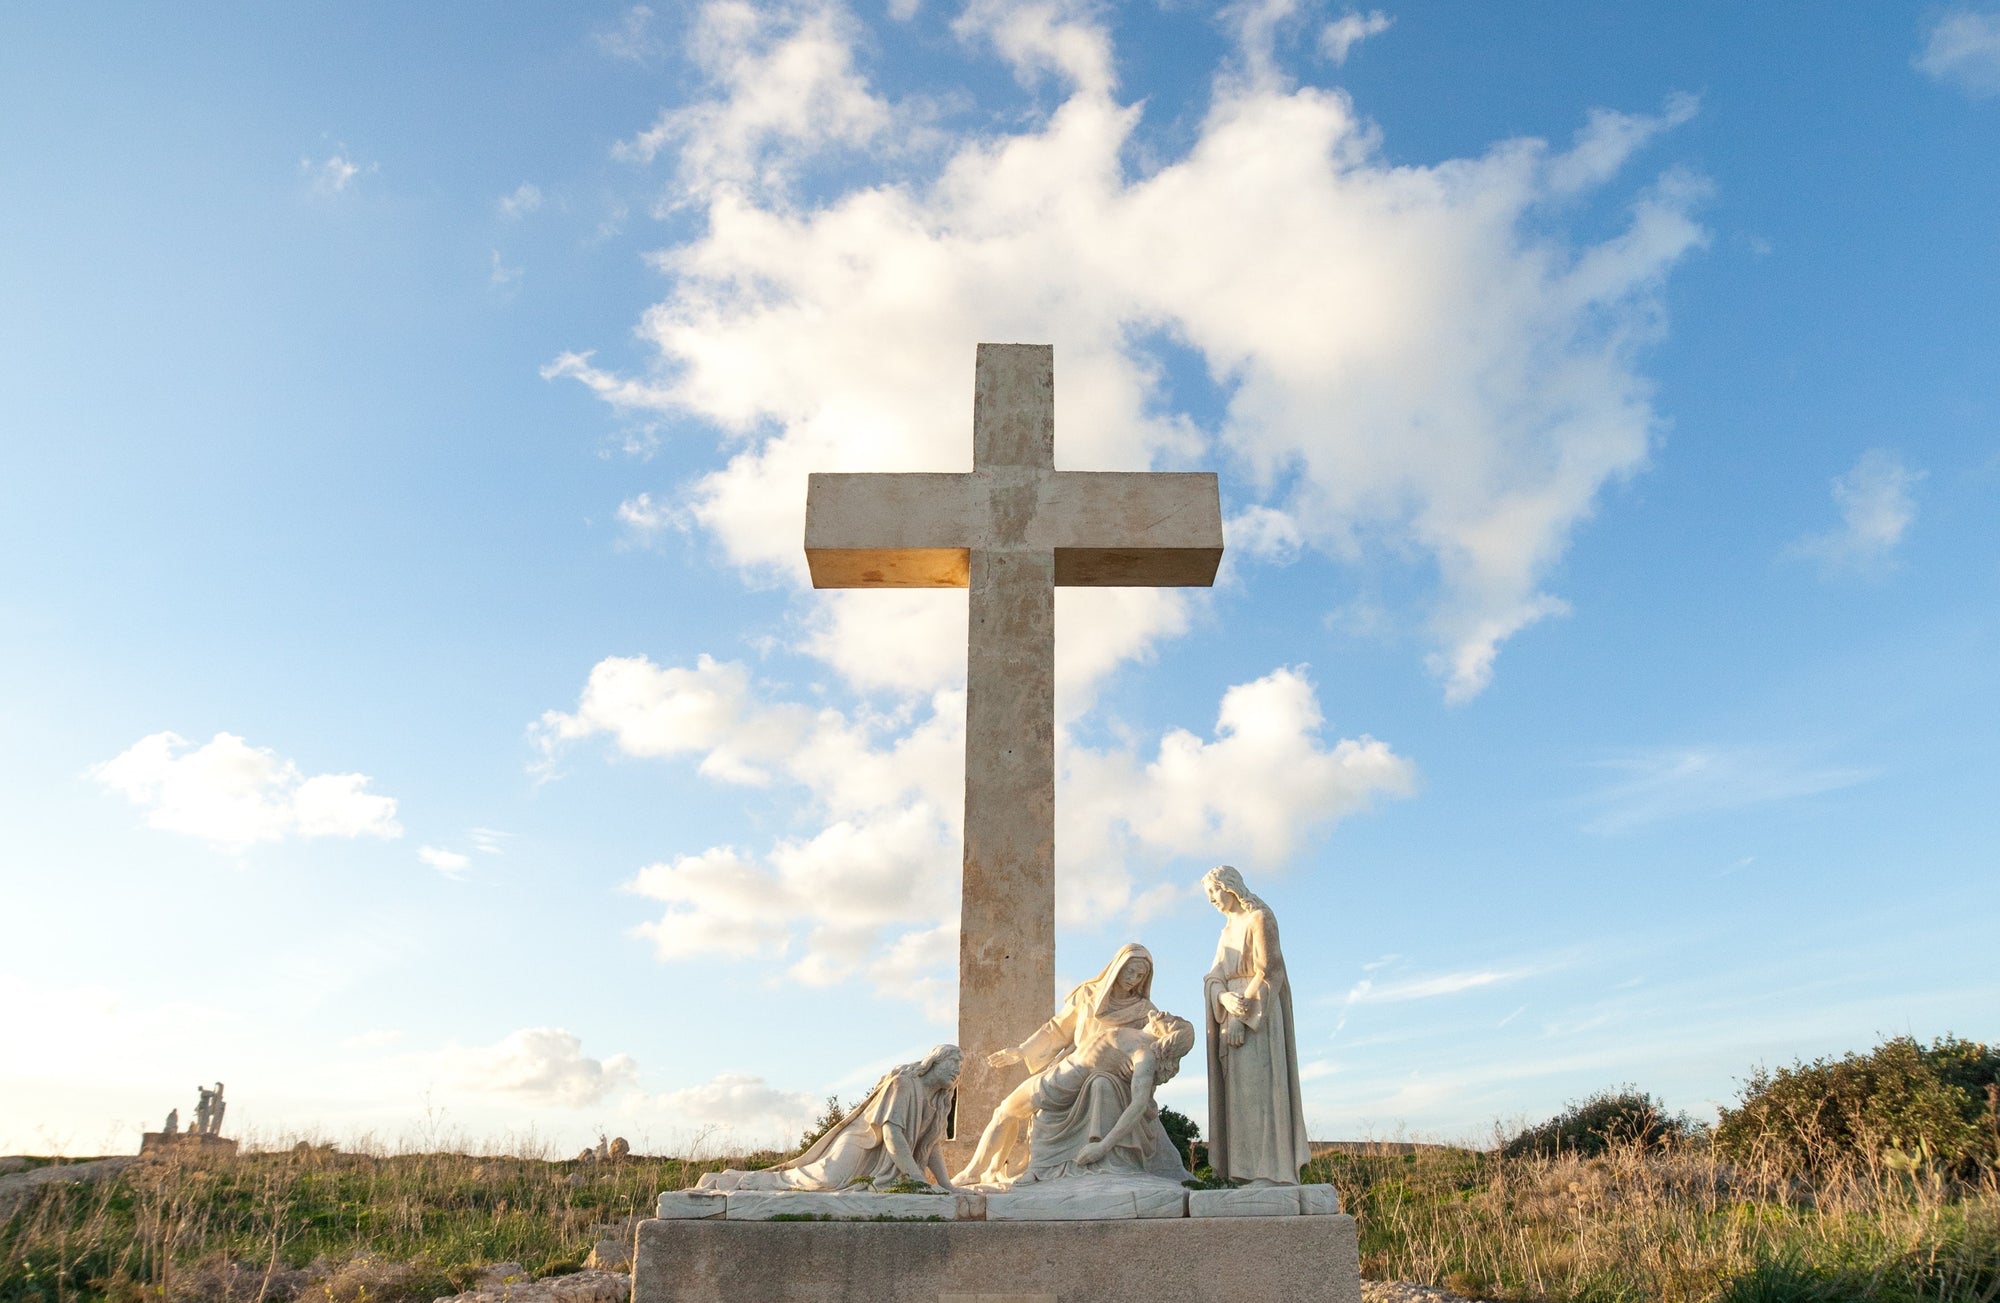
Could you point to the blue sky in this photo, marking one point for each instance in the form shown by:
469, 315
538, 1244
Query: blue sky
415, 714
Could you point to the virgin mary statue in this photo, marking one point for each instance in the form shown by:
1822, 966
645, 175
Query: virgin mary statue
1106, 1018
1256, 1126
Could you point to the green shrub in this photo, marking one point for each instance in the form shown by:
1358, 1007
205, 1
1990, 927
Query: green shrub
1184, 1132
1901, 1105
1589, 1126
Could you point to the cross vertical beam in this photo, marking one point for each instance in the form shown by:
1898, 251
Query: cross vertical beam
1007, 909
1012, 531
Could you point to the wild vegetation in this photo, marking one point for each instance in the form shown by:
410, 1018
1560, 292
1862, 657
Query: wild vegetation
1873, 1176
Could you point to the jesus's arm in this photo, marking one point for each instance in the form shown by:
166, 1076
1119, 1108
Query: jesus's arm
1142, 1100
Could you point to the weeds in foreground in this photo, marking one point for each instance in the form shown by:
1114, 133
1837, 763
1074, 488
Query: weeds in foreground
1633, 1223
1680, 1226
335, 1228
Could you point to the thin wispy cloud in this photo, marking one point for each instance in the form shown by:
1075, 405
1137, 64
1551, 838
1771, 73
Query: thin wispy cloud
527, 198
1369, 991
335, 173
633, 38
1962, 49
1877, 503
1675, 782
452, 864
1340, 36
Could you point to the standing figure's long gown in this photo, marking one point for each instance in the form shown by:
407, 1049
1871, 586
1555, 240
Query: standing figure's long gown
1256, 1125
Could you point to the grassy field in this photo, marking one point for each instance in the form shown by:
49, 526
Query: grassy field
1676, 1227
1628, 1225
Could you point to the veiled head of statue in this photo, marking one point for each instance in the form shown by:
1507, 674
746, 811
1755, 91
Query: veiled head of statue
1125, 985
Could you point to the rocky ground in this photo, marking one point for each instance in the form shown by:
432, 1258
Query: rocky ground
1403, 1291
16, 1184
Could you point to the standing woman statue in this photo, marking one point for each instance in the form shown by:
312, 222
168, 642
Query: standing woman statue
1256, 1126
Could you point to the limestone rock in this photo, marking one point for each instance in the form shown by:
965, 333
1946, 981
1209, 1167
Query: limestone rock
581, 1287
1248, 1201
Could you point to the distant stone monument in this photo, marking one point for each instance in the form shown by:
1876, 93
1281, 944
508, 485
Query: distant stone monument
1073, 1192
206, 1134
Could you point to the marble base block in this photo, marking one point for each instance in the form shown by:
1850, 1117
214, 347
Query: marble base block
1129, 1260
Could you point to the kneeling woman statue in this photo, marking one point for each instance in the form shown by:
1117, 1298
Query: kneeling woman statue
894, 1135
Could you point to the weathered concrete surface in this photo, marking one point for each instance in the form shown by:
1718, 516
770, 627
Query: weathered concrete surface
1011, 530
1210, 1260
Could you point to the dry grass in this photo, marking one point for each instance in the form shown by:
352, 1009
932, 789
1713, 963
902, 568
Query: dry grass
1677, 1227
317, 1225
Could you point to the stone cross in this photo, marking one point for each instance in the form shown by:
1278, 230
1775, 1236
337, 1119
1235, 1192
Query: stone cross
1011, 530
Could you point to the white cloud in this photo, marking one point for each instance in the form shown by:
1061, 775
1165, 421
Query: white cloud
527, 197
1963, 47
1669, 783
501, 276
1338, 39
647, 519
743, 1106
1417, 360
450, 863
1368, 991
234, 795
487, 841
334, 173
1877, 506
870, 896
788, 88
541, 1065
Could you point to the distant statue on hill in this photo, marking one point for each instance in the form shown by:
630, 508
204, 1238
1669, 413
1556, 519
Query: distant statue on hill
201, 1110
893, 1136
216, 1105
173, 1126
1256, 1123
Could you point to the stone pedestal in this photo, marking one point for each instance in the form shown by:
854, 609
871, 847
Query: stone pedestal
157, 1143
1229, 1259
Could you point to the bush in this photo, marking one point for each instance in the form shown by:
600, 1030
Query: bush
828, 1120
1589, 1126
1184, 1132
1902, 1104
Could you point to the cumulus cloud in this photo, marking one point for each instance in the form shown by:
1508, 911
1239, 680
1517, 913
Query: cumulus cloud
542, 1065
1417, 360
1877, 504
235, 795
872, 894
743, 1106
787, 87
1963, 48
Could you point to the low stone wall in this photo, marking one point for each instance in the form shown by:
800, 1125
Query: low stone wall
1183, 1260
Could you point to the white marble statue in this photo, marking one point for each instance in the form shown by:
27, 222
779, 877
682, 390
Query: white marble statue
895, 1135
173, 1126
201, 1109
216, 1105
1087, 1106
1256, 1126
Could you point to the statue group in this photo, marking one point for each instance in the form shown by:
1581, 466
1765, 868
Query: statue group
207, 1114
1087, 1108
